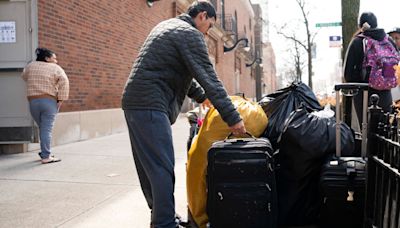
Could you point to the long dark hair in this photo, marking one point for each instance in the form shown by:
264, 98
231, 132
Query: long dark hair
42, 53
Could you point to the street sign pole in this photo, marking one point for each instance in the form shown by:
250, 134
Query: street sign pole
329, 24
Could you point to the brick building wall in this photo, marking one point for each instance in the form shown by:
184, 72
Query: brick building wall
269, 68
96, 43
244, 14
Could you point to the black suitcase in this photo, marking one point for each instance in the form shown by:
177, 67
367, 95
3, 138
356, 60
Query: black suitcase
343, 178
241, 184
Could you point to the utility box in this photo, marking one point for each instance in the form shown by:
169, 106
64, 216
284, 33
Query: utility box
18, 39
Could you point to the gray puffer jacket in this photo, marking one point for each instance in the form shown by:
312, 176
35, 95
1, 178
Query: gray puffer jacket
173, 54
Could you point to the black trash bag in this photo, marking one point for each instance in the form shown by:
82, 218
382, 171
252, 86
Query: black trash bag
283, 102
264, 102
304, 144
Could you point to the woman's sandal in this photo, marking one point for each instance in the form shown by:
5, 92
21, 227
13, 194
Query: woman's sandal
50, 159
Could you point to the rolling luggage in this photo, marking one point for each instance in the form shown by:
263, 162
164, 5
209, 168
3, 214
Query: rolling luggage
241, 184
343, 178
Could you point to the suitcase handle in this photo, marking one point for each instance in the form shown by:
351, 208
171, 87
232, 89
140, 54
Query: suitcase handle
352, 86
339, 162
247, 133
340, 86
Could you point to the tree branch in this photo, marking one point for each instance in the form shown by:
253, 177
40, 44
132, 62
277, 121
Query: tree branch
293, 38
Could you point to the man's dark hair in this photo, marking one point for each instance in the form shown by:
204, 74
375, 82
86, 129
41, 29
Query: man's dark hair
201, 6
42, 53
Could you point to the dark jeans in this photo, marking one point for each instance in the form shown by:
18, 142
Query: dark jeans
151, 140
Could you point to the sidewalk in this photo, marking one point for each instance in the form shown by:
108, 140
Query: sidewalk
95, 185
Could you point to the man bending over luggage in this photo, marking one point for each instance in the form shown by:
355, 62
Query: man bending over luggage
173, 54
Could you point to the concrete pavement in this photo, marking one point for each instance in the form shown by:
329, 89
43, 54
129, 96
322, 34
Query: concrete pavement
95, 185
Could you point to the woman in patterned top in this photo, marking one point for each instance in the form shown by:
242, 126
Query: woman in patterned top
47, 88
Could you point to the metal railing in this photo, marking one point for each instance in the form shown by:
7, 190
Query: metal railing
228, 23
383, 180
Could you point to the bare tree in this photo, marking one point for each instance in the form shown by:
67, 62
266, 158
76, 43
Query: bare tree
290, 76
298, 62
306, 44
286, 76
350, 11
295, 64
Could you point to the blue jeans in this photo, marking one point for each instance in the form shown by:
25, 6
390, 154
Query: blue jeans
44, 111
153, 152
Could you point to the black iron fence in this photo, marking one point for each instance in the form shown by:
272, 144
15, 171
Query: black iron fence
383, 181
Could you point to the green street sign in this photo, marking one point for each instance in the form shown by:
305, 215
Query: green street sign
331, 24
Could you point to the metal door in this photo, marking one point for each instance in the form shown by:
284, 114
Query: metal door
16, 48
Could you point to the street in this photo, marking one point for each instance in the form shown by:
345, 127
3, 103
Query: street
95, 185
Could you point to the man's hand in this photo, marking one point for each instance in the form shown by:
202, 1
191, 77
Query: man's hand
238, 128
206, 104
